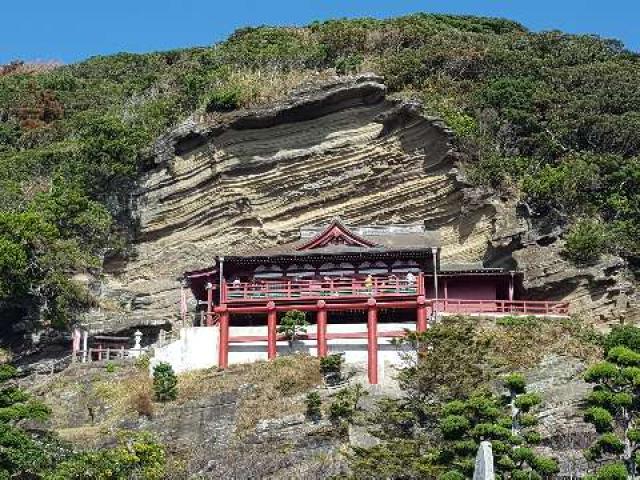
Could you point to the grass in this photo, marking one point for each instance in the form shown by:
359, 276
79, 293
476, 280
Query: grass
267, 389
263, 87
523, 342
110, 397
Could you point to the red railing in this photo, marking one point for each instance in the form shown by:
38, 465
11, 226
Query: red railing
319, 289
519, 307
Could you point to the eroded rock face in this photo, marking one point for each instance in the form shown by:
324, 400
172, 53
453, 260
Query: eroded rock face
565, 434
251, 179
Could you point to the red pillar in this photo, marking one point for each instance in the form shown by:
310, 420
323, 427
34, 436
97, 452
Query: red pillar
272, 318
209, 304
372, 341
321, 324
223, 352
421, 316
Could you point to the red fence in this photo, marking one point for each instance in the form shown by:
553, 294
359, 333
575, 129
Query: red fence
381, 287
520, 307
390, 286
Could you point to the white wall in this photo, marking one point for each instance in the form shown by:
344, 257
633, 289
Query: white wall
196, 348
354, 349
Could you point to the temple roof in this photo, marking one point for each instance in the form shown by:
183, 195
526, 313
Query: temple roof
338, 238
401, 241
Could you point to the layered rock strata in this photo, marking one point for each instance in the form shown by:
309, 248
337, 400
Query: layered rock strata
251, 179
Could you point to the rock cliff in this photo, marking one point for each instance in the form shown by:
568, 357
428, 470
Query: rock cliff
252, 178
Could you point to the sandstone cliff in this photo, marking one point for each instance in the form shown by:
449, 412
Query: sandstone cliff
342, 148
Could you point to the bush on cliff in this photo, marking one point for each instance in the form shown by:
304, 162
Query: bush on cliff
585, 241
165, 382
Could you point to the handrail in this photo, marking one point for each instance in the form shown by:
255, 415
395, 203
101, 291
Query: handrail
293, 289
533, 307
380, 286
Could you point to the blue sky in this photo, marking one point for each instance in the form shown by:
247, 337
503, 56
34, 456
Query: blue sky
71, 30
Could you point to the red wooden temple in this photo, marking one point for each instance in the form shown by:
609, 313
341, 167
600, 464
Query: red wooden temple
372, 274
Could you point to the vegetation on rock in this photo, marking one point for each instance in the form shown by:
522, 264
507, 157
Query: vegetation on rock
34, 453
314, 405
484, 416
331, 368
451, 402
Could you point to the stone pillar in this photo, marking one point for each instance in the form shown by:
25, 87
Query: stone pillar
272, 320
76, 338
484, 462
372, 341
421, 316
223, 352
321, 324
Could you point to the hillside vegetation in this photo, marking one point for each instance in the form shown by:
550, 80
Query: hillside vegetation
551, 117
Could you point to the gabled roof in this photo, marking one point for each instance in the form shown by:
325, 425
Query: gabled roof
336, 233
337, 238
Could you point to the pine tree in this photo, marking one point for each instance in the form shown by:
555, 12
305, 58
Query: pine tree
293, 324
165, 382
614, 409
509, 425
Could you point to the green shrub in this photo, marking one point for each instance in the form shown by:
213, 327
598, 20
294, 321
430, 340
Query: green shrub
223, 100
348, 64
142, 362
136, 456
331, 363
517, 321
331, 368
454, 426
612, 471
313, 403
625, 335
585, 242
345, 404
110, 367
165, 382
600, 418
452, 475
515, 382
621, 355
527, 401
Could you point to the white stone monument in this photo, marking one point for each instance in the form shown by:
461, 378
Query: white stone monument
484, 462
136, 351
